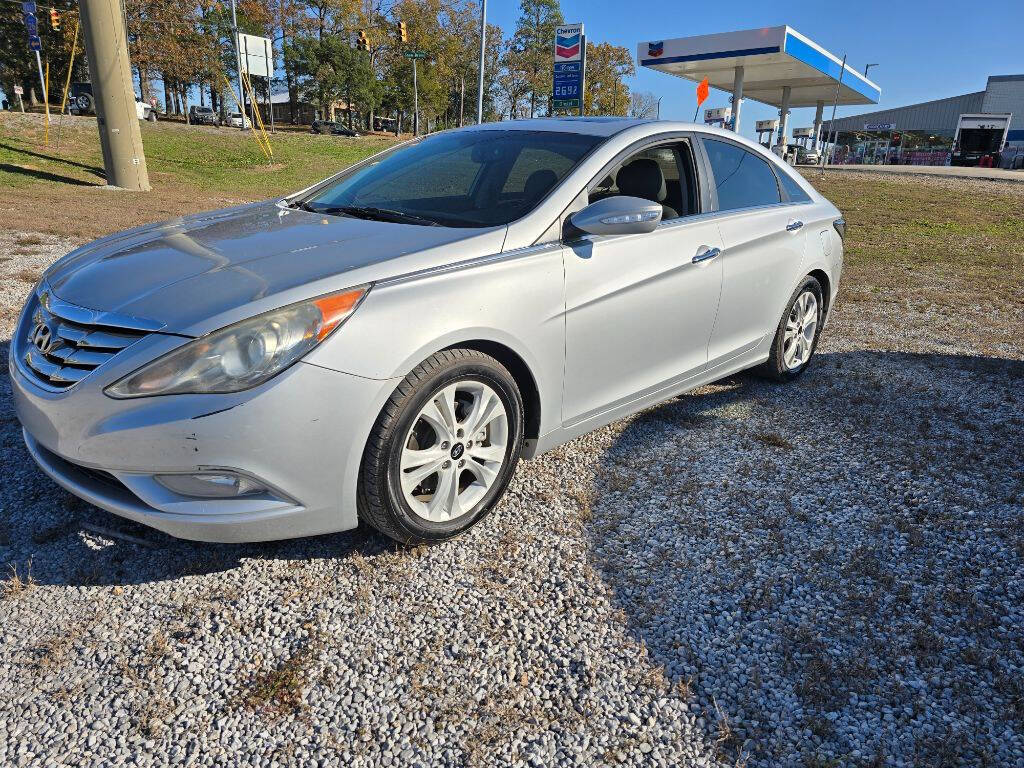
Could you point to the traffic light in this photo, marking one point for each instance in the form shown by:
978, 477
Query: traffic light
403, 32
55, 20
363, 42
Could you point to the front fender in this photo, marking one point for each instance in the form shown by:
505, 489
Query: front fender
516, 300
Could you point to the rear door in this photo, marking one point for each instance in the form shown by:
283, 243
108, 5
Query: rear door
763, 251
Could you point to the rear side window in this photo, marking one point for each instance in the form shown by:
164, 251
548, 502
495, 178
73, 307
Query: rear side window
742, 178
793, 191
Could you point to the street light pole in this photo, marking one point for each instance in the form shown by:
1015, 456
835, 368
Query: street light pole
867, 67
238, 62
480, 79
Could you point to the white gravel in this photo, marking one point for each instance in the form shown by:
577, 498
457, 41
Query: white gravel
827, 573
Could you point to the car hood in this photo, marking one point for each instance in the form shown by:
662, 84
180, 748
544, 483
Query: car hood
198, 273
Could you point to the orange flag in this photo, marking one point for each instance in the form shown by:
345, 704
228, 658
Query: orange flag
702, 92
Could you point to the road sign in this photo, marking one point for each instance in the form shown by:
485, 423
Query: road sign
28, 7
569, 68
569, 42
18, 90
257, 55
32, 24
34, 43
879, 126
415, 54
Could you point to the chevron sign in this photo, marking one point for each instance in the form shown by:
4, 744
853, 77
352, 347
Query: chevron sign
569, 43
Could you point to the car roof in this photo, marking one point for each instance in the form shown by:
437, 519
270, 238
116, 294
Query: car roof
593, 126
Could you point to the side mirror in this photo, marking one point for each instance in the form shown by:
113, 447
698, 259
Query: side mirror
620, 215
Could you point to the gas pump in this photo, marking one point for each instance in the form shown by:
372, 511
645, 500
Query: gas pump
769, 127
802, 135
720, 116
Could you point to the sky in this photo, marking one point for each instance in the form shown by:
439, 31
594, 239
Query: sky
923, 51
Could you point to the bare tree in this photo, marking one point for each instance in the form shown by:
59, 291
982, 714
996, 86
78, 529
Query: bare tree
643, 104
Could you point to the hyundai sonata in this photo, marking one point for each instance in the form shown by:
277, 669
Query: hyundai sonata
385, 345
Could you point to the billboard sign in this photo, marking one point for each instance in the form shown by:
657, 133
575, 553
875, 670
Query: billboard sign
257, 55
569, 68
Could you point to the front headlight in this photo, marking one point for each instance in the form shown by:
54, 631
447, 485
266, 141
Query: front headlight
245, 354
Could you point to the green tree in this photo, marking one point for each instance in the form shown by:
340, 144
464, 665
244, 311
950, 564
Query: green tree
606, 92
331, 71
534, 41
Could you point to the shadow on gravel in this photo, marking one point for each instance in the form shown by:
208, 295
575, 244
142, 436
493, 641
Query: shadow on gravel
833, 568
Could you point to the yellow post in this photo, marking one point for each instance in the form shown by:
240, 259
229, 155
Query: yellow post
67, 84
259, 117
71, 66
241, 109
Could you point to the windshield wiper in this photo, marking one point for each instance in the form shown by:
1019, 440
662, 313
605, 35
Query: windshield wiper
378, 214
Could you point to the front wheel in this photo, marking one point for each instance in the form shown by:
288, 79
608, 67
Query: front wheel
796, 337
444, 448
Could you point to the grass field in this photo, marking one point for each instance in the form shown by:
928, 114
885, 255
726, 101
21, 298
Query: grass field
58, 189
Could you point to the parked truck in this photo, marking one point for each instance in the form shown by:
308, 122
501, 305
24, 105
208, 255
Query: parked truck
979, 137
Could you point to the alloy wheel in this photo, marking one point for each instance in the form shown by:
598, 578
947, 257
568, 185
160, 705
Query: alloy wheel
454, 451
801, 325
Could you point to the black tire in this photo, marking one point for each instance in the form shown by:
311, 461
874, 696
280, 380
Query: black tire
775, 367
381, 501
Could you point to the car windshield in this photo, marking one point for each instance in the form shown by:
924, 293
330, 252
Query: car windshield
203, 109
459, 179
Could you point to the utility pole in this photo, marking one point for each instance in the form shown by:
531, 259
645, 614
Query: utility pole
480, 79
238, 61
123, 157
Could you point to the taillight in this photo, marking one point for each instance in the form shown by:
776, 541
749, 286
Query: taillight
840, 225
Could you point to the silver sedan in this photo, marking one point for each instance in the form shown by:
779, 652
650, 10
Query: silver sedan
385, 345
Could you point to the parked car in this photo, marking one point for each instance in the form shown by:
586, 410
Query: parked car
385, 345
234, 119
82, 102
333, 128
202, 116
806, 156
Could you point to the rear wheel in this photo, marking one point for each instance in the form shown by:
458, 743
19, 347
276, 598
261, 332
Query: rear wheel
444, 448
796, 337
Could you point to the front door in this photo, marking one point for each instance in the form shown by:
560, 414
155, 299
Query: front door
639, 308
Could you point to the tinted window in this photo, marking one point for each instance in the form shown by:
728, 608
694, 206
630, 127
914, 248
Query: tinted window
675, 189
793, 191
460, 179
741, 178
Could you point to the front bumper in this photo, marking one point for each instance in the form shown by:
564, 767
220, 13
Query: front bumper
302, 434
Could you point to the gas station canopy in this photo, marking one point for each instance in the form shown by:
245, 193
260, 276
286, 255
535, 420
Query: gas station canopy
773, 59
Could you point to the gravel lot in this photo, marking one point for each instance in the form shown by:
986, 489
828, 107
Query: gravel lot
828, 573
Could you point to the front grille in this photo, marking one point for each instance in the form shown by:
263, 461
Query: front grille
62, 343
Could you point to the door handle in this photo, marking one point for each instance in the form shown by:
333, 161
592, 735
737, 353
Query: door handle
706, 255
794, 225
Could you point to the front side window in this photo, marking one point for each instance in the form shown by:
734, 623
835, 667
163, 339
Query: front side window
661, 174
743, 179
459, 179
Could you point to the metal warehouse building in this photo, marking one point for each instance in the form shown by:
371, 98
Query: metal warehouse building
932, 125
